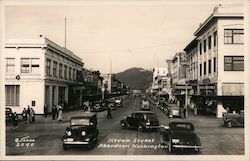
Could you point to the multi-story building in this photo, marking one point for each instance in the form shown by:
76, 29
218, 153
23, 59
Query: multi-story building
179, 67
218, 57
192, 61
159, 79
39, 72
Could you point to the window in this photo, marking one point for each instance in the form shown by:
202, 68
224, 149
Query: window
48, 65
54, 68
30, 65
200, 69
204, 45
209, 66
214, 64
205, 68
35, 65
74, 74
25, 65
60, 70
233, 63
200, 48
70, 75
65, 72
233, 36
10, 65
215, 38
209, 42
12, 94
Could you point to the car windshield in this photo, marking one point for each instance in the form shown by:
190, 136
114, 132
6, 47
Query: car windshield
150, 116
80, 122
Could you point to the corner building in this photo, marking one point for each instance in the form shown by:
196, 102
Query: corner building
39, 72
216, 58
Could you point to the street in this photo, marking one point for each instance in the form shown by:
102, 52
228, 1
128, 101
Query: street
44, 136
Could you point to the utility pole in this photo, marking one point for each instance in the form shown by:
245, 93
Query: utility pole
65, 32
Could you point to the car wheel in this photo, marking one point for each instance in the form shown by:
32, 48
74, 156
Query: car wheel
65, 147
161, 139
196, 151
229, 124
140, 128
124, 125
170, 149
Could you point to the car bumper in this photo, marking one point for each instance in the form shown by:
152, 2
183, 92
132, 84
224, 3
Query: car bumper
152, 127
76, 143
187, 146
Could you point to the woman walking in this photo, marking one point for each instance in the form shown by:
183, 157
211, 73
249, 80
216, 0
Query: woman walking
60, 113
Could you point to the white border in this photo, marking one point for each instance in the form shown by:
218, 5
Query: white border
4, 3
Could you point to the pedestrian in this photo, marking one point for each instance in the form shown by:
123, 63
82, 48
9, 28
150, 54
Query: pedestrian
45, 110
109, 113
28, 114
15, 120
57, 109
54, 111
32, 115
60, 113
24, 114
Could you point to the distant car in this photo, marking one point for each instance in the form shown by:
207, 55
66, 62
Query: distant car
180, 135
142, 120
8, 114
234, 119
97, 107
118, 102
82, 131
145, 105
174, 111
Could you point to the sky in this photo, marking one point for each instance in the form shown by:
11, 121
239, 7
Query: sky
116, 36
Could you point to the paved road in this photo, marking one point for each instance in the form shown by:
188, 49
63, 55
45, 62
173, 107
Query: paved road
45, 136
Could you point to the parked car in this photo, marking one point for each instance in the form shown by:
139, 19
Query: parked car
8, 114
180, 135
142, 120
118, 102
97, 107
174, 111
145, 105
82, 131
234, 119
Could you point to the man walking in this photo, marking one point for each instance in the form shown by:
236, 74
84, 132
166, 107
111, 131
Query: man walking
109, 113
45, 110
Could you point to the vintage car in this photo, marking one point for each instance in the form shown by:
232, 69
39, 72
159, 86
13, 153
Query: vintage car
145, 105
82, 131
234, 119
97, 107
8, 114
174, 111
142, 120
180, 135
118, 102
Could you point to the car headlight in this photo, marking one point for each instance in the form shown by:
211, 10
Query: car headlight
83, 133
175, 140
69, 133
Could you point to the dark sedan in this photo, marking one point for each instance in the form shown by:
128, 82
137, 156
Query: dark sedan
82, 131
234, 119
142, 120
180, 135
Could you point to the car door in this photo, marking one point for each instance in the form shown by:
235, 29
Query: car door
131, 119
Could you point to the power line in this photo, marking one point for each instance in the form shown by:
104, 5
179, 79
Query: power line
129, 50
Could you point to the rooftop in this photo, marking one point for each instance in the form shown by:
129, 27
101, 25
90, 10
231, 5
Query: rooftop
222, 11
